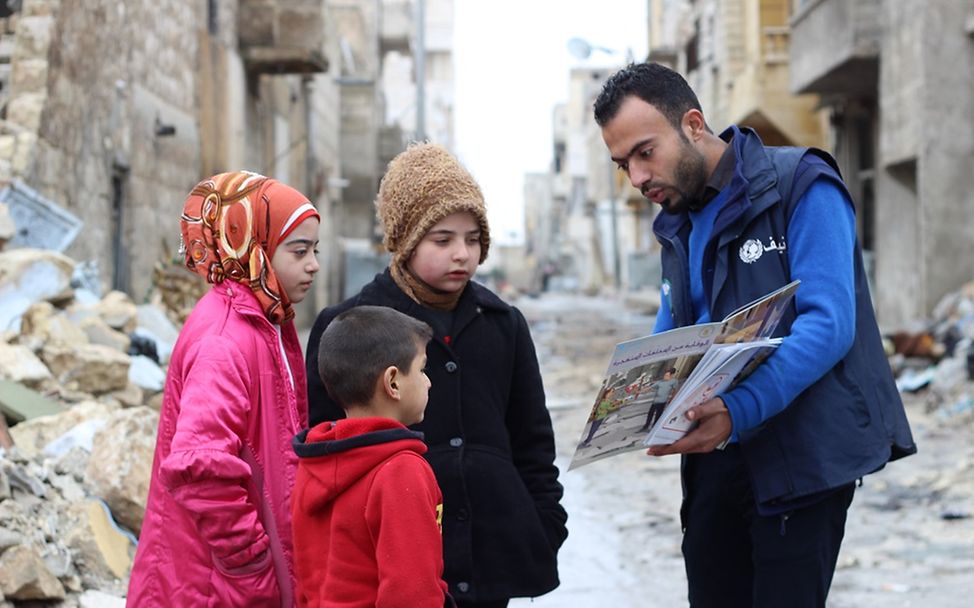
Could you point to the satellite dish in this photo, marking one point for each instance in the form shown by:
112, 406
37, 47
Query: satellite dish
579, 48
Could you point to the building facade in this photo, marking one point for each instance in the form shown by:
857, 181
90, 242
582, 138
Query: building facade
114, 110
901, 115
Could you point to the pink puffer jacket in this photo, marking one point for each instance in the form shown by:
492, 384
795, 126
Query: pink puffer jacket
217, 528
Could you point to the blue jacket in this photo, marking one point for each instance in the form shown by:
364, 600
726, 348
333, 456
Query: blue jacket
851, 421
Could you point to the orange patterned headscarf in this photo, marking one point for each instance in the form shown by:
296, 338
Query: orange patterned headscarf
231, 226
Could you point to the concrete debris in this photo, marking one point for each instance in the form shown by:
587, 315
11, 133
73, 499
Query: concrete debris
128, 442
19, 403
7, 226
146, 374
104, 549
100, 332
28, 276
91, 368
81, 435
67, 516
25, 576
153, 323
98, 599
20, 364
76, 459
130, 396
20, 478
936, 358
118, 311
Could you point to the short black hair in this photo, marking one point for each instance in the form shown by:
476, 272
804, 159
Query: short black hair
358, 346
656, 84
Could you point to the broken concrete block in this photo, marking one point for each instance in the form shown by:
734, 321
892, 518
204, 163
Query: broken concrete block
19, 403
70, 489
99, 332
24, 576
155, 401
9, 538
19, 364
82, 436
44, 324
7, 226
33, 435
130, 396
100, 548
4, 490
153, 323
95, 369
121, 463
28, 276
146, 373
22, 479
99, 599
118, 311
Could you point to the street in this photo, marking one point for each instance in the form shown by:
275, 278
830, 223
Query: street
909, 537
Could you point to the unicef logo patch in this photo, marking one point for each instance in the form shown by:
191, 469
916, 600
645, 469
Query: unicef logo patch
751, 250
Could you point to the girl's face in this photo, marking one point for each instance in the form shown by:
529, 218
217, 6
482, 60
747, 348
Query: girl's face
295, 260
448, 255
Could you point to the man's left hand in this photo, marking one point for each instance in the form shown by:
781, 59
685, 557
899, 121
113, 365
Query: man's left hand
713, 428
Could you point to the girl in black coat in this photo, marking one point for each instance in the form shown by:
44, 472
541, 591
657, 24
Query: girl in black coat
487, 426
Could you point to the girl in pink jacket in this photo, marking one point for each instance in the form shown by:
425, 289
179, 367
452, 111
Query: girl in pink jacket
217, 528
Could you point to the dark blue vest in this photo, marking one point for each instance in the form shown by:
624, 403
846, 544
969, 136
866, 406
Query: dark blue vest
851, 421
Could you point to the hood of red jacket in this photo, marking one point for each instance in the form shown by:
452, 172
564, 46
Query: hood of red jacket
336, 454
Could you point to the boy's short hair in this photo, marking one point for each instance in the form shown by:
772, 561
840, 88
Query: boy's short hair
358, 346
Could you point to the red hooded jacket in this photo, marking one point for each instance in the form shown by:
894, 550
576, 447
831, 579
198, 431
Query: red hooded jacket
366, 518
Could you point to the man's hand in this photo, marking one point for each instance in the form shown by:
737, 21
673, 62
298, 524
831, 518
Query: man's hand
713, 429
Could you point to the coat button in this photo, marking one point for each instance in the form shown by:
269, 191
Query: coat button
462, 514
463, 587
450, 367
456, 442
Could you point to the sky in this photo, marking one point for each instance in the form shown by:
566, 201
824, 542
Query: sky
512, 62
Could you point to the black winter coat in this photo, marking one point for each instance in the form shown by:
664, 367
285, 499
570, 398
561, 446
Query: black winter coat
490, 442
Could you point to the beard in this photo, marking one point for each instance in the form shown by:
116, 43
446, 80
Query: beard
689, 182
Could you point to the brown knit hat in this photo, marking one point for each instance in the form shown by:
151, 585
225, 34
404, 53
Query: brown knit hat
422, 185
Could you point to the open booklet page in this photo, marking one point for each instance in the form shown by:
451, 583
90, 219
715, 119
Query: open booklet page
643, 376
652, 381
725, 366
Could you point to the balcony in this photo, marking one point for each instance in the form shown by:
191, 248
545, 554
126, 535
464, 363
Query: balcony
758, 95
282, 36
835, 47
397, 26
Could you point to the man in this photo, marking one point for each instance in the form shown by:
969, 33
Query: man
663, 391
763, 518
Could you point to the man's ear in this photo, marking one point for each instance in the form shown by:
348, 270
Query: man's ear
390, 382
693, 124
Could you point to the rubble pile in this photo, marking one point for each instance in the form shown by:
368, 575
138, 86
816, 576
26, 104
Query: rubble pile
937, 361
80, 386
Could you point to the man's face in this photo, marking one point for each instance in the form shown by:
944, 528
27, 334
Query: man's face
659, 159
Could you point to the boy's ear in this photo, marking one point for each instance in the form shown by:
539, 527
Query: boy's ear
390, 382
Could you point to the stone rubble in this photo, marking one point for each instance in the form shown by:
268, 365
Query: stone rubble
73, 485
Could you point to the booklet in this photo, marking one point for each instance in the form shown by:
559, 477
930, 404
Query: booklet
652, 381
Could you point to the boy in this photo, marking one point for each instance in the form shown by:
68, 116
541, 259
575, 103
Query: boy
366, 507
